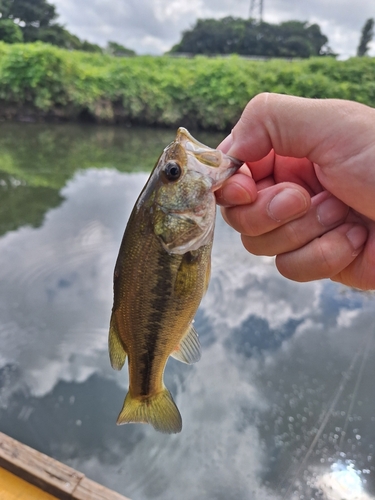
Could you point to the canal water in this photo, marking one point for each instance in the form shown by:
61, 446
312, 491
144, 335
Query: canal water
281, 405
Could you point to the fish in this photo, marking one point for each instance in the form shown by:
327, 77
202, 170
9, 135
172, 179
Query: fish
161, 274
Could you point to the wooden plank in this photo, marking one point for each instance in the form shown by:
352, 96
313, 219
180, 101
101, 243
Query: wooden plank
89, 490
14, 488
50, 475
38, 469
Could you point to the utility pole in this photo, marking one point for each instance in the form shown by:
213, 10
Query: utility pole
256, 5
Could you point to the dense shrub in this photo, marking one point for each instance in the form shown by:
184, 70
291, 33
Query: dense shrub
39, 80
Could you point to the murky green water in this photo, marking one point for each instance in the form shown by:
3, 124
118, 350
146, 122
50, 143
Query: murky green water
281, 405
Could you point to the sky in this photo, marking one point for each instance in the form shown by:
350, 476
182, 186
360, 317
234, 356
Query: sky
154, 26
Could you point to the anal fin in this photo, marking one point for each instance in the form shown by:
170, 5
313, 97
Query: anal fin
189, 349
117, 353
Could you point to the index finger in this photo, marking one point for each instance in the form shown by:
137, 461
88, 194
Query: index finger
259, 169
318, 129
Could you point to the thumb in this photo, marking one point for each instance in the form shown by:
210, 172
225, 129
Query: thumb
317, 129
335, 135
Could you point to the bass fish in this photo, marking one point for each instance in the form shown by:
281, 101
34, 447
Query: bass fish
161, 274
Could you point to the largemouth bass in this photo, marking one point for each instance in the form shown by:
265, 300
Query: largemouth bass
161, 274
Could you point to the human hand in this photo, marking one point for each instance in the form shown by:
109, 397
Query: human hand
318, 156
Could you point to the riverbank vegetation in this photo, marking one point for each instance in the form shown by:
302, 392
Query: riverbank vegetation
39, 81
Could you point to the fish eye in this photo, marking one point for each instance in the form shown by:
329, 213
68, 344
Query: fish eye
172, 171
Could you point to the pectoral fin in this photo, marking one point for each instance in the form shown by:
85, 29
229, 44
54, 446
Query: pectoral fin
117, 354
189, 349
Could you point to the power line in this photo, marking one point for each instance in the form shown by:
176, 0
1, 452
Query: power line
256, 6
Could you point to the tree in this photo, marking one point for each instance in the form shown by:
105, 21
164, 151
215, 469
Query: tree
115, 49
212, 36
32, 20
36, 13
35, 20
246, 37
10, 32
366, 37
32, 17
90, 47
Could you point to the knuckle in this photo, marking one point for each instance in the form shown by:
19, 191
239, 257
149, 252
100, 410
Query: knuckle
257, 246
262, 102
261, 99
248, 225
256, 105
325, 265
293, 235
327, 260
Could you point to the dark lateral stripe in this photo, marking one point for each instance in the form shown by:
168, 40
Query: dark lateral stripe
161, 292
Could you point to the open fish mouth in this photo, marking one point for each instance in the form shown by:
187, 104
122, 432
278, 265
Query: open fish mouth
213, 163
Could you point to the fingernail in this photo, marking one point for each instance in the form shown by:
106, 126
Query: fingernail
286, 204
226, 144
331, 211
235, 194
357, 236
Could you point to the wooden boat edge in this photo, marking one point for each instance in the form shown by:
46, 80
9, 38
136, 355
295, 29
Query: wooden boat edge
50, 475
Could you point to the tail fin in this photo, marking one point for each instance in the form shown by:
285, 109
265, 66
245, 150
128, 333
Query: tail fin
158, 410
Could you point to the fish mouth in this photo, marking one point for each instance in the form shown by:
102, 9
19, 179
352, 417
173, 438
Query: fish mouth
212, 163
207, 155
183, 135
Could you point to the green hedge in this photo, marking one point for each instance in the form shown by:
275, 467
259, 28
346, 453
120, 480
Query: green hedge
39, 80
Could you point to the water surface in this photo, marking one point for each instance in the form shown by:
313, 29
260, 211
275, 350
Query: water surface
281, 404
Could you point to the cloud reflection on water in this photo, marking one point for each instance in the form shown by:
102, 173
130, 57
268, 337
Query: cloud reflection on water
275, 355
56, 284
